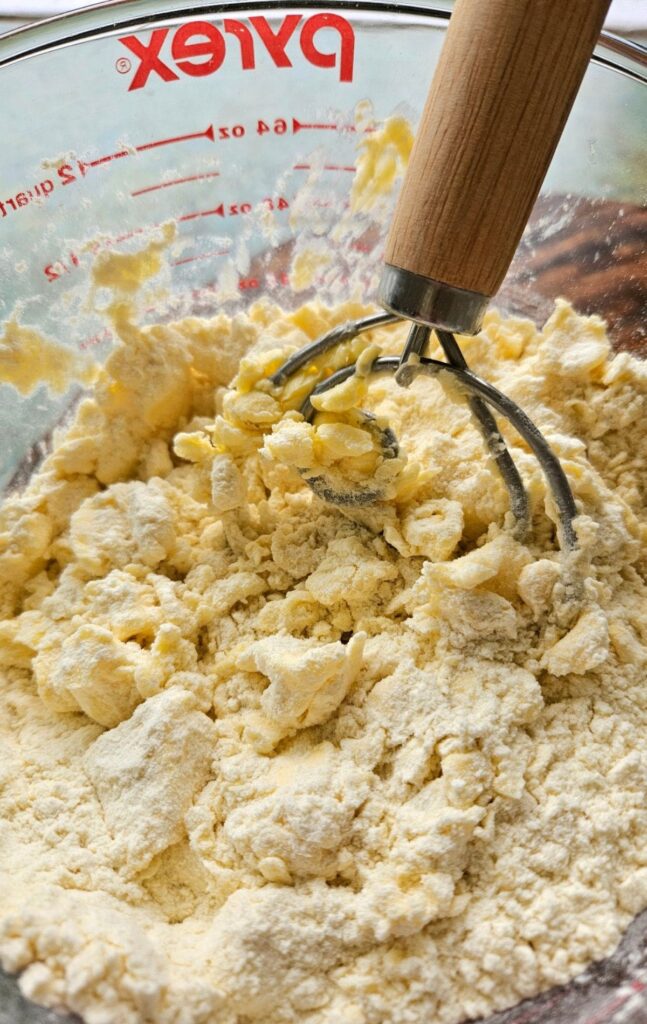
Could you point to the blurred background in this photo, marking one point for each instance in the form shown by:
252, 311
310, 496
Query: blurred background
626, 17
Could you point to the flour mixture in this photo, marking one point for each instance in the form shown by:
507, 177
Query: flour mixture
264, 761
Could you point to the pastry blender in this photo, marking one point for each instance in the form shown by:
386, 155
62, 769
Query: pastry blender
507, 77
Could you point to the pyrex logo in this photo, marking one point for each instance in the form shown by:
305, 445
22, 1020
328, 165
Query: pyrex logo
198, 48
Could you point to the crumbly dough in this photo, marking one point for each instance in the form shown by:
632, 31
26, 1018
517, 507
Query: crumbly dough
29, 360
264, 760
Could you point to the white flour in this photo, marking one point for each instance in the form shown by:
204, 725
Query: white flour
263, 762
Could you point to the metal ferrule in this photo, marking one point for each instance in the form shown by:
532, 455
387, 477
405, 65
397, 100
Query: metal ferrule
431, 302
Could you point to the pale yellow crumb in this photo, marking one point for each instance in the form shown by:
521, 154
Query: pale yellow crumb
125, 272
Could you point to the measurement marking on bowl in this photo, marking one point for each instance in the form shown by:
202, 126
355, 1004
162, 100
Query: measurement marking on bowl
234, 209
615, 1004
66, 174
38, 191
96, 339
207, 134
326, 167
121, 238
176, 181
299, 126
55, 270
530, 1015
201, 256
277, 126
603, 1014
218, 211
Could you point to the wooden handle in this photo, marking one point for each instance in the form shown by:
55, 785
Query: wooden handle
504, 85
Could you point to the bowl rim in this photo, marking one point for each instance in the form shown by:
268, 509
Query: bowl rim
114, 16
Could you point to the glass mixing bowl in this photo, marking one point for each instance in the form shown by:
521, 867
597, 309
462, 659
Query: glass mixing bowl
241, 124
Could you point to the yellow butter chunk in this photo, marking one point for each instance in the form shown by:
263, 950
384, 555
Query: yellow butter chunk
585, 646
383, 156
126, 272
305, 266
237, 440
194, 447
253, 408
433, 528
480, 566
29, 360
345, 396
307, 682
250, 371
338, 440
292, 441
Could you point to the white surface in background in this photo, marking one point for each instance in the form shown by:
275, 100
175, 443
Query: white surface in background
627, 17
37, 8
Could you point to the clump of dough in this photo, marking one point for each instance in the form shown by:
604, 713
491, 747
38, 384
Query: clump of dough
307, 682
146, 772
